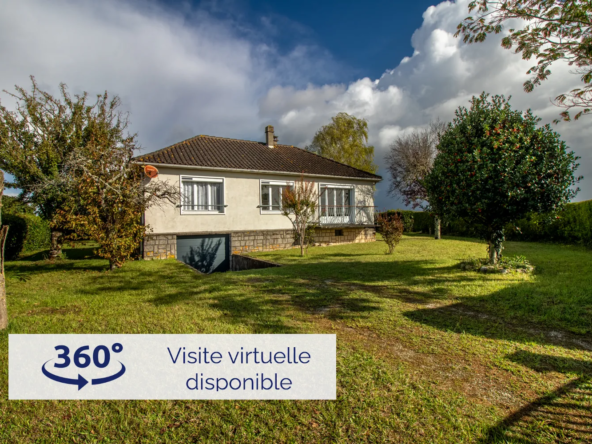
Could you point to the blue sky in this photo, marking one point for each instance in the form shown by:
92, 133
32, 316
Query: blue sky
365, 38
230, 67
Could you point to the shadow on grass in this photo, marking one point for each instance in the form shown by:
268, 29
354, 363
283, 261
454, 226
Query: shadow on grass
564, 415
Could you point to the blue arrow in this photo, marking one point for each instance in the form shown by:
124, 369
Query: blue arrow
110, 378
80, 382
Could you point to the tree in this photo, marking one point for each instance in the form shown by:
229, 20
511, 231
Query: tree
35, 141
299, 204
494, 166
3, 236
409, 161
109, 191
555, 30
345, 140
391, 229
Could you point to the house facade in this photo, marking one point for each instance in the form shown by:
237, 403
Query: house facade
231, 200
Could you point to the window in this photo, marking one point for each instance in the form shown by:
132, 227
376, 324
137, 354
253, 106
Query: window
338, 232
336, 201
271, 195
202, 194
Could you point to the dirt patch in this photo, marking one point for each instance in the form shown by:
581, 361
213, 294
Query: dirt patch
42, 311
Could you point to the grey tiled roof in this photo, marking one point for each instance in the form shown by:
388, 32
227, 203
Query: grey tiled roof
219, 152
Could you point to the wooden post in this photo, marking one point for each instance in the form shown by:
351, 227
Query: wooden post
3, 235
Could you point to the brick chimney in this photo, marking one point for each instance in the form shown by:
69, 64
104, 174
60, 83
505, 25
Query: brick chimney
269, 136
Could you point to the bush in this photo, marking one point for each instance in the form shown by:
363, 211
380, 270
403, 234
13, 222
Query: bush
391, 227
406, 216
573, 226
26, 233
423, 222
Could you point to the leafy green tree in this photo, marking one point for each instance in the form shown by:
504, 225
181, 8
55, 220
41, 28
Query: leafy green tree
35, 141
108, 190
494, 166
555, 30
345, 140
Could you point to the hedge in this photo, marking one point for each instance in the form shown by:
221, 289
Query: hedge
26, 233
574, 226
407, 217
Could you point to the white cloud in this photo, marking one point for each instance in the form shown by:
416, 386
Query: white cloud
186, 73
442, 75
180, 74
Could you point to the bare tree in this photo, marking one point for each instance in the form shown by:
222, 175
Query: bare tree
409, 161
3, 234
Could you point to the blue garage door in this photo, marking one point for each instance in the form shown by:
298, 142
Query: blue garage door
207, 253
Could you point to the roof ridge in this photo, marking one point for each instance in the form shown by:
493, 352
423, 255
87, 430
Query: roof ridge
212, 137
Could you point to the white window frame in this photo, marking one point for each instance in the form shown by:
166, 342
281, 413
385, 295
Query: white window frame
284, 183
352, 199
185, 178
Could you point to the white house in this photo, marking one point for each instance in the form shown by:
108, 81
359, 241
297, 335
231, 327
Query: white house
231, 199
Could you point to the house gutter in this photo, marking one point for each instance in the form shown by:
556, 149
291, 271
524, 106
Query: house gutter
237, 170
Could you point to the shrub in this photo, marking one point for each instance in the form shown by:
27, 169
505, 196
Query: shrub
423, 222
391, 227
26, 232
406, 216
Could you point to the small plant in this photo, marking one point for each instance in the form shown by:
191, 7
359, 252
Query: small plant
516, 262
505, 264
391, 227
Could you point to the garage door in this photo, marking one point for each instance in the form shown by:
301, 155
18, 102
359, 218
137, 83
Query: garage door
207, 253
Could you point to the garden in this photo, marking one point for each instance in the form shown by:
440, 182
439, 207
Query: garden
426, 350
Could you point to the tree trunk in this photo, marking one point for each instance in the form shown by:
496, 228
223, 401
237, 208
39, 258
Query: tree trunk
302, 233
55, 248
437, 226
495, 246
3, 235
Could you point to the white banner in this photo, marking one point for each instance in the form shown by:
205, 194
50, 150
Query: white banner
171, 366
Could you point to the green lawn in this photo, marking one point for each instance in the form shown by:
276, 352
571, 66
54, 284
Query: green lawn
426, 352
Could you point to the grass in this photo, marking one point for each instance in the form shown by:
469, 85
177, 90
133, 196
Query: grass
426, 352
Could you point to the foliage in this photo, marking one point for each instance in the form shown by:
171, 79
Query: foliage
27, 232
423, 222
554, 30
345, 140
410, 160
494, 166
14, 205
572, 226
299, 204
406, 216
3, 236
391, 229
109, 192
36, 140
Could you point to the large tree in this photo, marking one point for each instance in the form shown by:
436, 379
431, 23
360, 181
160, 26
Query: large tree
35, 141
345, 140
409, 161
3, 235
495, 165
108, 190
554, 30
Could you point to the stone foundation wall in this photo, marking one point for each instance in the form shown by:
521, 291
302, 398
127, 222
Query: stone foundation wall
160, 246
251, 241
326, 236
164, 246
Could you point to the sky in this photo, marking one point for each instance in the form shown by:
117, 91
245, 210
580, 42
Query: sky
230, 67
